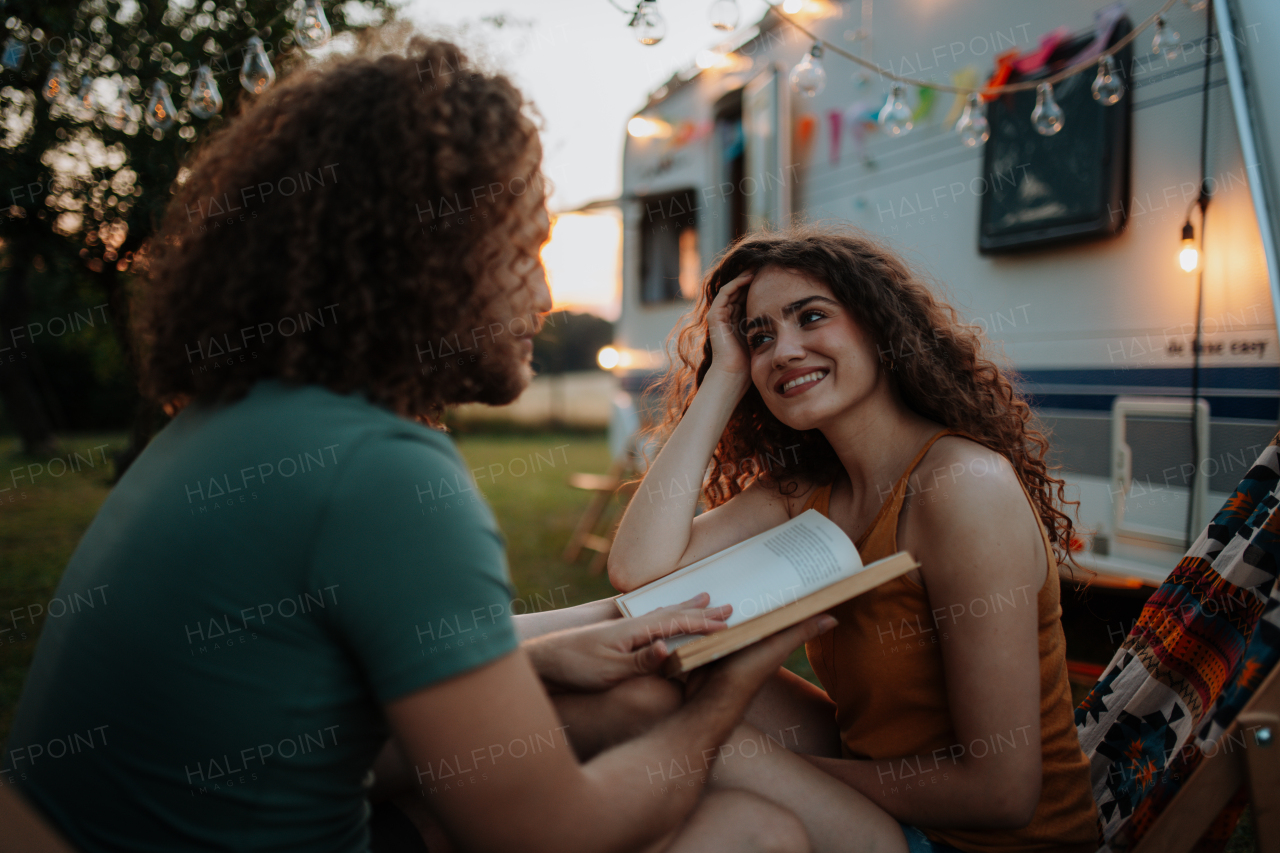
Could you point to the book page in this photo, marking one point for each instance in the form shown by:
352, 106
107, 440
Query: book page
760, 574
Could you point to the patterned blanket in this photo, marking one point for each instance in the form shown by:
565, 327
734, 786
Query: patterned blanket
1204, 642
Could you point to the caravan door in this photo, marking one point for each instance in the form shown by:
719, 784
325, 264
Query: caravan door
766, 125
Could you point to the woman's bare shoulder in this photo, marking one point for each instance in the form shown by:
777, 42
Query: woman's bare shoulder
960, 467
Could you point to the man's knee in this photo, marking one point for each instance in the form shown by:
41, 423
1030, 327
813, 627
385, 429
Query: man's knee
641, 702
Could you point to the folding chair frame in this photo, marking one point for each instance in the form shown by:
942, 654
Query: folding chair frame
1219, 776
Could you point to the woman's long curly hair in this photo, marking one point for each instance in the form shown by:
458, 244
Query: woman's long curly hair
936, 361
343, 230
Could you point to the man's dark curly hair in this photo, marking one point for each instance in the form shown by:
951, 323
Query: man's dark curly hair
341, 229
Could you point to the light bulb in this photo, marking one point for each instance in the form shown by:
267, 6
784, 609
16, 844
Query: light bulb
1107, 87
724, 14
1189, 256
88, 101
649, 24
312, 27
972, 126
809, 77
1047, 117
205, 100
256, 74
55, 85
160, 107
1166, 40
121, 111
12, 54
895, 115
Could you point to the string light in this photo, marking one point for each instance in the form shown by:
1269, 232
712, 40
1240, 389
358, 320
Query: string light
55, 85
256, 74
649, 25
160, 107
1166, 40
122, 110
972, 126
895, 115
809, 77
1047, 118
205, 101
724, 14
1189, 256
88, 102
1107, 87
644, 128
311, 29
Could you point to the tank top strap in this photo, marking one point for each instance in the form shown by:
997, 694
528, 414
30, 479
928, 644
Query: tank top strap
887, 518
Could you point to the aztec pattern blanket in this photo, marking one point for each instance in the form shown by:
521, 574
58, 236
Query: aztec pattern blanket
1206, 639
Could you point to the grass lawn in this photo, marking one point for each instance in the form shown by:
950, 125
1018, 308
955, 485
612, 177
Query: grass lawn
43, 516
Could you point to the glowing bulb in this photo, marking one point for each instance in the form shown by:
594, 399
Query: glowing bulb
55, 85
643, 128
972, 126
160, 107
895, 115
88, 101
649, 24
724, 14
792, 6
12, 54
205, 100
1047, 118
607, 358
808, 77
312, 27
256, 74
1107, 87
1166, 40
121, 110
1189, 256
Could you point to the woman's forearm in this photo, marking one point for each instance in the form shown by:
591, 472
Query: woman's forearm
937, 790
530, 625
655, 528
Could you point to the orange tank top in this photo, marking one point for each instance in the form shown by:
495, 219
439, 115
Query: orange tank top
882, 666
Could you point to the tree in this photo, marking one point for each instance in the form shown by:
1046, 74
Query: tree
86, 179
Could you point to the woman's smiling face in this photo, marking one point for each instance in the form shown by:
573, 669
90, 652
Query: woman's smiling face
810, 359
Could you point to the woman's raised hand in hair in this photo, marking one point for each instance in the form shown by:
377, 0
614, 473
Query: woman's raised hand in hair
725, 317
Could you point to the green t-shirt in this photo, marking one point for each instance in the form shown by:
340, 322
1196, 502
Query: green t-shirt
266, 576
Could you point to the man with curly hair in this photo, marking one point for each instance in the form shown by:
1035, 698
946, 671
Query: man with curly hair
305, 605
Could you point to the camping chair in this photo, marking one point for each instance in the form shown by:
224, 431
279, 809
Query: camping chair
1189, 707
621, 478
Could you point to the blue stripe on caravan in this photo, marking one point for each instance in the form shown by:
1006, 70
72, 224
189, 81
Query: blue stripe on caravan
1232, 392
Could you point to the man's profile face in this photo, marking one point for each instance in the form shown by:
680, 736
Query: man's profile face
514, 298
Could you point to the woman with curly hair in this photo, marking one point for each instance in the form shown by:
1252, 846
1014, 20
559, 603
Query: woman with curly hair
302, 599
818, 371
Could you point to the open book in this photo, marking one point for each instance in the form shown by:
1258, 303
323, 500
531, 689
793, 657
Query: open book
773, 580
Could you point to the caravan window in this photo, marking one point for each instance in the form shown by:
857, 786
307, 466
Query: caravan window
670, 266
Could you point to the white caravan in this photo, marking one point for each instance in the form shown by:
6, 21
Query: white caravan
1102, 328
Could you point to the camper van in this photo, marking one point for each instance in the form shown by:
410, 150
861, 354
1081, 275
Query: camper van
1066, 249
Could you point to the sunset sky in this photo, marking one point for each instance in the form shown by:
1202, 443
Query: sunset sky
587, 75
